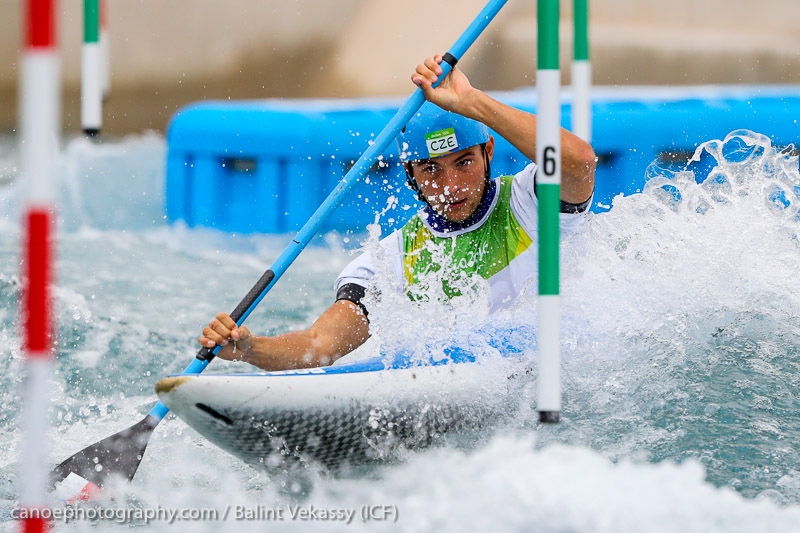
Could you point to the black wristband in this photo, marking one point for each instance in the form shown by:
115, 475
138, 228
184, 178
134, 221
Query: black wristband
352, 292
564, 207
567, 207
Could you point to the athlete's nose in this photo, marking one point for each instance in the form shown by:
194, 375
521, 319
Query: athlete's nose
452, 180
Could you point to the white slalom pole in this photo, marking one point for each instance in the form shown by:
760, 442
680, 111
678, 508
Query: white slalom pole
548, 157
581, 74
39, 127
91, 70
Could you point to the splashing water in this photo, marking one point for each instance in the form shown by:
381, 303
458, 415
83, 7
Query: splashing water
681, 358
689, 298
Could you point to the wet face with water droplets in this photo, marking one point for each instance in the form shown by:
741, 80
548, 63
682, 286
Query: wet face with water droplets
453, 184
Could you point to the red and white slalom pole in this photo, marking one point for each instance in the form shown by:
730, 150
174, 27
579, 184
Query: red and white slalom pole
38, 136
105, 50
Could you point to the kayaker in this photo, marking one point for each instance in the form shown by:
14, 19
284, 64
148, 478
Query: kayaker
488, 226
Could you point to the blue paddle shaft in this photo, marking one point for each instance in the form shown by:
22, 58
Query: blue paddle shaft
335, 198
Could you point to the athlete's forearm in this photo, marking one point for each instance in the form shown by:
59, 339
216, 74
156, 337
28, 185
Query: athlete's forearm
341, 329
578, 160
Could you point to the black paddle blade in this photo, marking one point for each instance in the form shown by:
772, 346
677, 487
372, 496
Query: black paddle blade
119, 454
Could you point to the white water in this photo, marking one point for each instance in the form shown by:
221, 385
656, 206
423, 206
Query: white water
681, 355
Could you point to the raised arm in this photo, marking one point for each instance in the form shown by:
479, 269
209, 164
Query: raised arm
339, 330
455, 93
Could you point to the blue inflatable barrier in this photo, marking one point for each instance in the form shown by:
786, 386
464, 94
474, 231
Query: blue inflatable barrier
265, 166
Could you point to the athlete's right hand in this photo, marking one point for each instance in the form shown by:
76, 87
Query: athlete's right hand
222, 330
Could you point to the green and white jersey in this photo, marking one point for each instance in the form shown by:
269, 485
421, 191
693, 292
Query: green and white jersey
499, 249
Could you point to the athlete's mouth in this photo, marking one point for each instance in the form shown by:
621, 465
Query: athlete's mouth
457, 203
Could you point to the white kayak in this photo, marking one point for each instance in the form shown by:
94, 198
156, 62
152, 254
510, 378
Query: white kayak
353, 413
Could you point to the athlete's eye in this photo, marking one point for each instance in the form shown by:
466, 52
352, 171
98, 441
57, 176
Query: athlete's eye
429, 169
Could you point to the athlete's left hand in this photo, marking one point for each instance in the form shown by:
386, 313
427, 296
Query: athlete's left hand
455, 91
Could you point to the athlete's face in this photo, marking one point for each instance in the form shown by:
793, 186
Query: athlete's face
453, 184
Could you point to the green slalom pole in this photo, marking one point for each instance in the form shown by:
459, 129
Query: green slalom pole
548, 157
91, 71
581, 74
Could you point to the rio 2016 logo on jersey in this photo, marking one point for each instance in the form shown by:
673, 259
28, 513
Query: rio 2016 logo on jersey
441, 142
